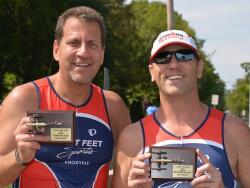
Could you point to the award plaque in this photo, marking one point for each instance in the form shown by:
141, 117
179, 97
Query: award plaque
173, 163
58, 125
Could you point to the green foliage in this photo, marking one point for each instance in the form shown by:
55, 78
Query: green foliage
149, 19
246, 67
137, 92
238, 99
28, 30
25, 49
211, 84
9, 81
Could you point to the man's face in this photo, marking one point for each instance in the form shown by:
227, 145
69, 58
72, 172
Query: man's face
176, 78
79, 53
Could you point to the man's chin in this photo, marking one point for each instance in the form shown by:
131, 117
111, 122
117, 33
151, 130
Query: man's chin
81, 81
174, 91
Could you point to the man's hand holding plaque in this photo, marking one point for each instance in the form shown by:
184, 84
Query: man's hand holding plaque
58, 125
173, 163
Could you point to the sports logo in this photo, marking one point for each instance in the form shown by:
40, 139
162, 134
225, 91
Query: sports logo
92, 132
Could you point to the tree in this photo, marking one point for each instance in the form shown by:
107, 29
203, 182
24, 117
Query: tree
26, 46
246, 67
237, 100
28, 30
211, 84
149, 19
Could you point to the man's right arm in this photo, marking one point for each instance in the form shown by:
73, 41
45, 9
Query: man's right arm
13, 132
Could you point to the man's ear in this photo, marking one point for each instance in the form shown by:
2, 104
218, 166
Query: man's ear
56, 50
200, 65
150, 68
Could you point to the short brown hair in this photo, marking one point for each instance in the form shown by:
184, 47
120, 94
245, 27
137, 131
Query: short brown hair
83, 13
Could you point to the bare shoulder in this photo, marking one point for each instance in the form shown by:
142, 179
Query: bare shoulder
112, 97
131, 140
116, 105
21, 96
117, 111
236, 133
237, 140
235, 128
14, 108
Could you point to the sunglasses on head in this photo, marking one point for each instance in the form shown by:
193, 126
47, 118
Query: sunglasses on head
181, 56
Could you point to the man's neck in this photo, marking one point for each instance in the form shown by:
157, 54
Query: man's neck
72, 92
181, 116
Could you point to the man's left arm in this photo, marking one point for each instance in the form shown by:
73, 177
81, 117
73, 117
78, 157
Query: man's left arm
237, 141
118, 113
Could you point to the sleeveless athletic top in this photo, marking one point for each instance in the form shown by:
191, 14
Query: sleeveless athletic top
208, 137
84, 164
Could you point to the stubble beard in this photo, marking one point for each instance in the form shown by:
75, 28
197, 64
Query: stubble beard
80, 79
173, 90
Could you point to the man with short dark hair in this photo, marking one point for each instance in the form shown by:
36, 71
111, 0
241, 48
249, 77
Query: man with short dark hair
100, 115
183, 121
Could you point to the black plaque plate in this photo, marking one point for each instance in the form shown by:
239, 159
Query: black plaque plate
58, 125
173, 163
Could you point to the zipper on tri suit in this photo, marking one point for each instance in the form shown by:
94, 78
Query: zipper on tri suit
182, 140
76, 131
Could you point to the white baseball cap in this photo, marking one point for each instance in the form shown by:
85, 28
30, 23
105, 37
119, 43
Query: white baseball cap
171, 37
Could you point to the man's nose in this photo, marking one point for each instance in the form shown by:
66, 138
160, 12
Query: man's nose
173, 61
83, 50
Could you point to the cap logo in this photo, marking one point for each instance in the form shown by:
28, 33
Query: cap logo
171, 35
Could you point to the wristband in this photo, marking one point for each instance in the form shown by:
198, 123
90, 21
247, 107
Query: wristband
19, 161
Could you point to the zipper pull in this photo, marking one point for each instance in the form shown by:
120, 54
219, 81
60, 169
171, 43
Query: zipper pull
182, 140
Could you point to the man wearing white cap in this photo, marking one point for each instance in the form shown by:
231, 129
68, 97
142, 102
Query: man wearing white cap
222, 142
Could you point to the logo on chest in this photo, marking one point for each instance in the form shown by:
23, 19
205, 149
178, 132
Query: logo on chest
82, 146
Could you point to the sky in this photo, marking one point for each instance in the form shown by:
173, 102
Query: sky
225, 27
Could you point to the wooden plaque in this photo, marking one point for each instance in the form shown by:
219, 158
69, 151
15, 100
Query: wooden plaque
58, 125
173, 163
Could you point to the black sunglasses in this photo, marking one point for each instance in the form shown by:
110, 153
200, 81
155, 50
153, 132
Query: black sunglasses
181, 56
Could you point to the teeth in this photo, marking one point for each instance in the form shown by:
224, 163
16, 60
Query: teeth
81, 65
174, 77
